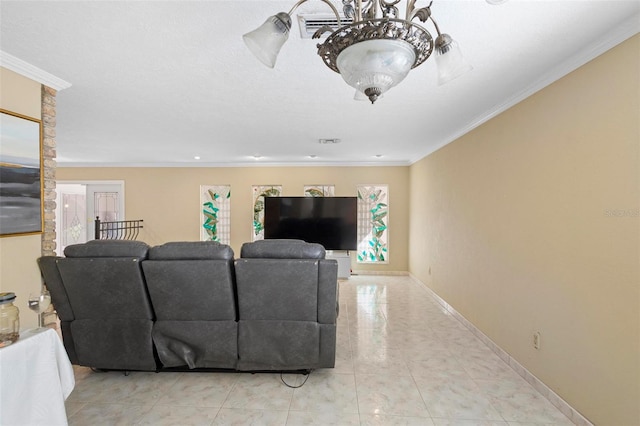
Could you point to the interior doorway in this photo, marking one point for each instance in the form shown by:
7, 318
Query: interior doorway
78, 203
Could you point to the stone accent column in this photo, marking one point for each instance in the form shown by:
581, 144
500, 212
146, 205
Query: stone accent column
49, 170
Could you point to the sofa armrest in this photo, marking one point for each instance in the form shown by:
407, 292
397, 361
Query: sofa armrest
53, 281
328, 291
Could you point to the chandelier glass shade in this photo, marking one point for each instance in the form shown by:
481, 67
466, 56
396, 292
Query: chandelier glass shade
374, 49
266, 41
451, 64
374, 66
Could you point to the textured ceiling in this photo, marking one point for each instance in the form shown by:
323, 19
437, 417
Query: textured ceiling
160, 82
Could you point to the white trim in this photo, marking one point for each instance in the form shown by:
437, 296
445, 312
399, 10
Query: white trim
626, 30
257, 163
25, 69
375, 273
564, 407
92, 182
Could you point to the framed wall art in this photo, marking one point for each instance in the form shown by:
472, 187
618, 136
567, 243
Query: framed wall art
21, 191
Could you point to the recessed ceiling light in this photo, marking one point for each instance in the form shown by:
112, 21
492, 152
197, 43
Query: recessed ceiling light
312, 156
496, 2
197, 157
378, 155
257, 156
329, 141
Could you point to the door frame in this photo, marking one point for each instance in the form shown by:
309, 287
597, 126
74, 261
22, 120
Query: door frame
90, 220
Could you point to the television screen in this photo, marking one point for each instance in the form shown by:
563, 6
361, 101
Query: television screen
330, 221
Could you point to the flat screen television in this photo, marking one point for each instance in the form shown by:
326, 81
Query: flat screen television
330, 221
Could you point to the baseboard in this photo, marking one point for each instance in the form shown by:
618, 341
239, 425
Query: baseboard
394, 273
564, 407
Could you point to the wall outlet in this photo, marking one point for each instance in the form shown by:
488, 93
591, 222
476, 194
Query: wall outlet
536, 340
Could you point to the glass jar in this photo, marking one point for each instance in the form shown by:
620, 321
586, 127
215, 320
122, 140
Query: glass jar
9, 319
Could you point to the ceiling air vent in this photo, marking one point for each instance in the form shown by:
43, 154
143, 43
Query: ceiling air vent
329, 141
309, 24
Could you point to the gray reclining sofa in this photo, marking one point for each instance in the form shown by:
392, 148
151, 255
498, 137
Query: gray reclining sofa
190, 305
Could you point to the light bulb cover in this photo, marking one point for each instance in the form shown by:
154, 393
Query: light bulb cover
266, 41
360, 96
449, 60
377, 65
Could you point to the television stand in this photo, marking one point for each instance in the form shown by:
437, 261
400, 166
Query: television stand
344, 262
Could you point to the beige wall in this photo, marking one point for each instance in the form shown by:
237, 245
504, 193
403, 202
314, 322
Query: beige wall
168, 199
18, 269
531, 223
528, 223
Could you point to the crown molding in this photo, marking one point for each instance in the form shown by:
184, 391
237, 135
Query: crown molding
621, 33
25, 69
72, 164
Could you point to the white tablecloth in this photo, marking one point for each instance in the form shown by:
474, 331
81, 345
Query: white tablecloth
35, 379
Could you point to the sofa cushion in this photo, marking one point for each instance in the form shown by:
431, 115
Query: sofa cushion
108, 248
282, 249
191, 250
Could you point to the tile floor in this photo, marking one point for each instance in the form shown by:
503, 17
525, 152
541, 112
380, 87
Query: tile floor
401, 360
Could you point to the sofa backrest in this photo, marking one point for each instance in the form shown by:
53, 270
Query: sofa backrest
108, 312
285, 289
108, 248
287, 296
103, 279
191, 281
282, 249
286, 279
192, 287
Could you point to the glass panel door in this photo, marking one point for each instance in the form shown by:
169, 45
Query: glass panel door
105, 201
77, 206
71, 215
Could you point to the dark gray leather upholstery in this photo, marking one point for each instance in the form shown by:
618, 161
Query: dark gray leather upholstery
108, 248
60, 300
107, 309
191, 285
287, 297
191, 250
127, 306
282, 249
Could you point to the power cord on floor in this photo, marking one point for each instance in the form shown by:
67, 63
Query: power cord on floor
295, 387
